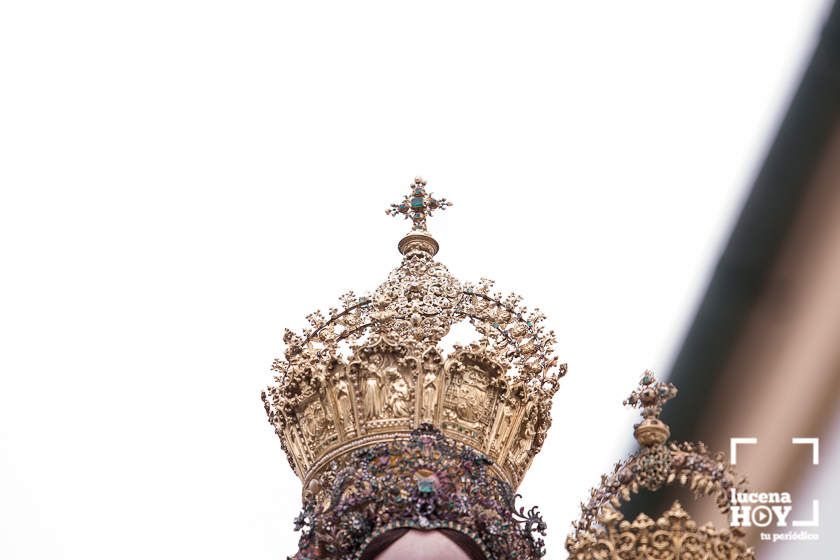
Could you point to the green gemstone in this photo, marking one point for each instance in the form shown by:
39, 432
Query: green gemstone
417, 202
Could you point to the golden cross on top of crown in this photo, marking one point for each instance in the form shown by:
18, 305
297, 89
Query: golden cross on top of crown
418, 205
651, 395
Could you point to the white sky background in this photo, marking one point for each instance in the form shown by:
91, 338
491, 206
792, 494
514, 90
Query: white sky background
182, 180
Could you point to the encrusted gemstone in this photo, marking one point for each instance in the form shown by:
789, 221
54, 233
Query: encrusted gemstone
417, 202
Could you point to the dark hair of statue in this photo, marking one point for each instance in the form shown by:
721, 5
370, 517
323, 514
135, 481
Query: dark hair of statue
381, 543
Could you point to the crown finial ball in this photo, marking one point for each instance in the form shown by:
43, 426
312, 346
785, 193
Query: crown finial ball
651, 431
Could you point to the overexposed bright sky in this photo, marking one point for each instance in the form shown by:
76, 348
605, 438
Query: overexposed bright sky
182, 180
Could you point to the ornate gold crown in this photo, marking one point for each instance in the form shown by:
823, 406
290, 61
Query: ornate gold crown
372, 370
368, 381
602, 531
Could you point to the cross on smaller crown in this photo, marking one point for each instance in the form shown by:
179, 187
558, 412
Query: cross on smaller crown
418, 205
651, 395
